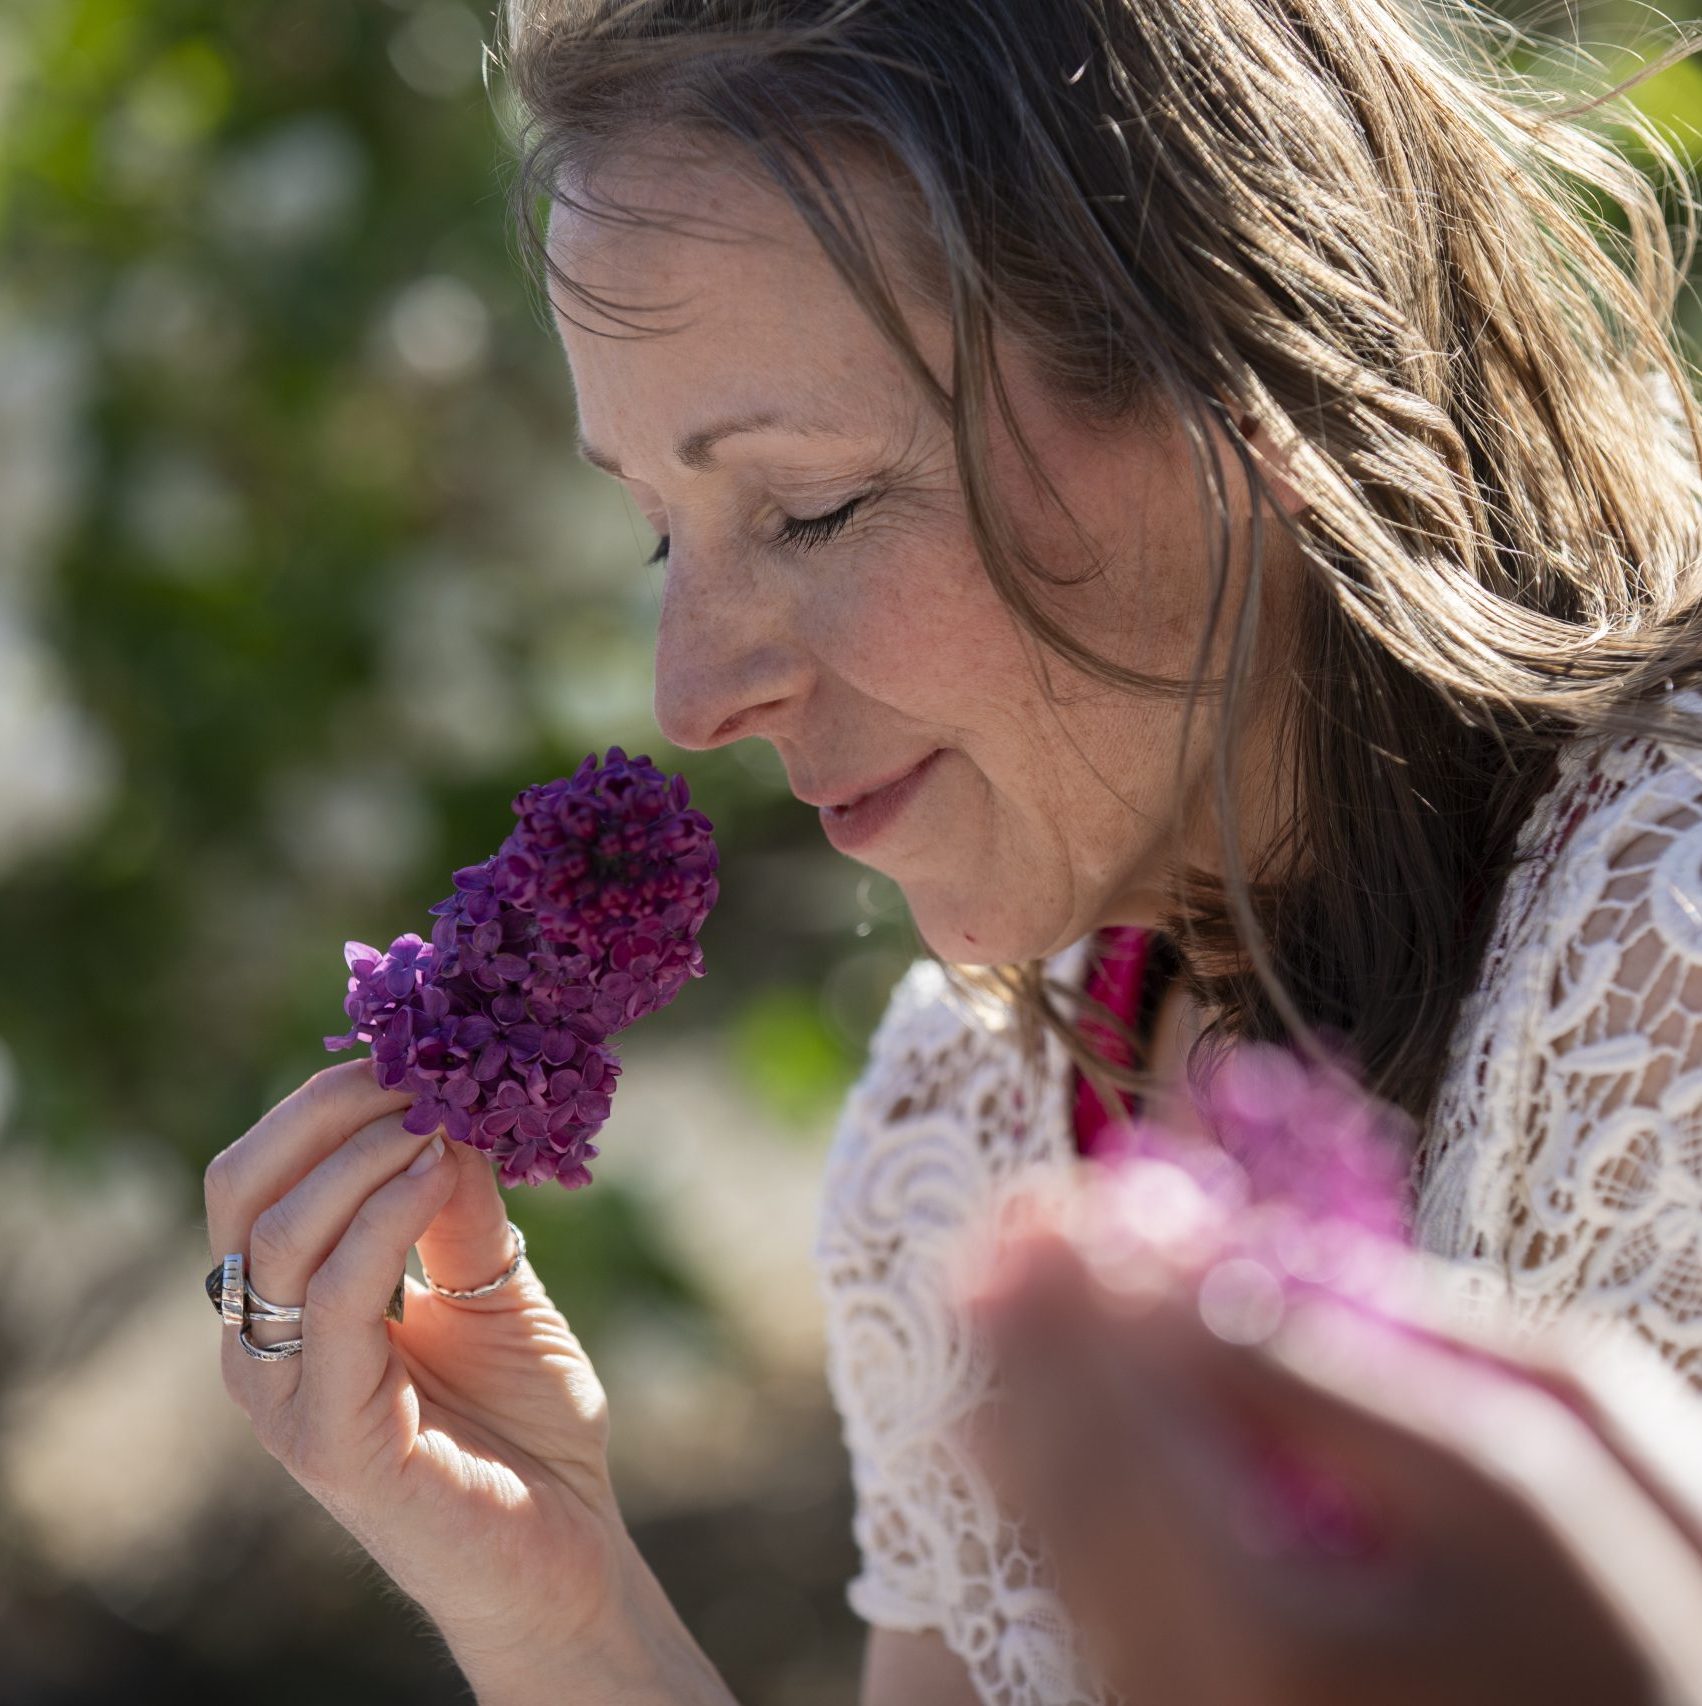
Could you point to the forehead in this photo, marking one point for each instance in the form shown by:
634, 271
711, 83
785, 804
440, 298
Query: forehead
634, 206
719, 278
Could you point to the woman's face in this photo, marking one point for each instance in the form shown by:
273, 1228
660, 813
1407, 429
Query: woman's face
873, 642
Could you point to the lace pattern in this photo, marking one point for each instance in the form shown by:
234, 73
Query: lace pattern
1562, 1170
940, 1123
1564, 1162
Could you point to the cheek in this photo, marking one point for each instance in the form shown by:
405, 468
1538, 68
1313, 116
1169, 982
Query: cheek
914, 623
1129, 541
1147, 607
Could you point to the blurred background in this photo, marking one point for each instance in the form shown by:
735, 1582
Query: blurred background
300, 582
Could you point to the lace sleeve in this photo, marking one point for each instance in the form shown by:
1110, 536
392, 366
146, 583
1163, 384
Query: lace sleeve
1602, 1190
946, 1118
877, 1366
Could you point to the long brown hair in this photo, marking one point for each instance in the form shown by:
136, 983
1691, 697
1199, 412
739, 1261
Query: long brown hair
1446, 299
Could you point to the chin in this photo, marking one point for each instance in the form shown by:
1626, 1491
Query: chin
959, 931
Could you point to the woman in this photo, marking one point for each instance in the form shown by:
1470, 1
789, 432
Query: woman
1164, 478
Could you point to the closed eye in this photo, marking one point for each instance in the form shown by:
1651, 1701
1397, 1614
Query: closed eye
817, 530
799, 531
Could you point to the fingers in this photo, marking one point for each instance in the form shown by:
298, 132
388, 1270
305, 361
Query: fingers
1504, 1514
1373, 1425
1174, 1327
1127, 1481
296, 1236
1625, 1394
1485, 1487
346, 1343
1551, 1521
1152, 1453
286, 1144
1438, 1423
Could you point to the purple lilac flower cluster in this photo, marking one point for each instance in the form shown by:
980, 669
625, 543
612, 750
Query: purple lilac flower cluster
584, 920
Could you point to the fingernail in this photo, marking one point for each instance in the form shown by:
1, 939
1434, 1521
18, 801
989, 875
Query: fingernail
427, 1157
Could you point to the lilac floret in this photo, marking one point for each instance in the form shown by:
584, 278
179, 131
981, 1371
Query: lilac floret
584, 920
618, 866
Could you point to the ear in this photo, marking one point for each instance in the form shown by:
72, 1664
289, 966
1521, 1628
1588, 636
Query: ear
1271, 464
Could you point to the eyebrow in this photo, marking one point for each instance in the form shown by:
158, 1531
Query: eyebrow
696, 450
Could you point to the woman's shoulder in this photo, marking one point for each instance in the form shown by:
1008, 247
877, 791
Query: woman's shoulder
925, 1000
1609, 854
942, 1119
936, 1030
1563, 1141
1618, 807
1610, 786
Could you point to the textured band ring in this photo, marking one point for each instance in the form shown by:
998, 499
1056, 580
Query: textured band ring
269, 1353
501, 1279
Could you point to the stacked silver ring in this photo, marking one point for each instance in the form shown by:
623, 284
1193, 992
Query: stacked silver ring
238, 1302
501, 1279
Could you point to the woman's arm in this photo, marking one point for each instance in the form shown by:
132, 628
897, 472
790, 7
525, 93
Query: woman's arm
645, 1657
1501, 1550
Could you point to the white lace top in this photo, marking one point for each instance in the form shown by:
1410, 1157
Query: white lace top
1564, 1166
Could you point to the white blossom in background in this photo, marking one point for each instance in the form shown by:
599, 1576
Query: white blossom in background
44, 461
437, 329
57, 769
444, 664
578, 687
364, 825
162, 315
298, 185
439, 49
182, 514
588, 538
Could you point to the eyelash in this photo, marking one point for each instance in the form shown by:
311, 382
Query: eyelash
799, 531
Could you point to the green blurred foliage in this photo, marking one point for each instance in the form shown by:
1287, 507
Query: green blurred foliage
790, 1056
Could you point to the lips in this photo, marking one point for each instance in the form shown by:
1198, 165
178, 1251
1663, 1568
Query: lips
837, 799
857, 825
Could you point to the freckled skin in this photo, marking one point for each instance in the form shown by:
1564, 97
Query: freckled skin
858, 656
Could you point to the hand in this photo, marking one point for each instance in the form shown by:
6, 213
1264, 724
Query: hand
1497, 1544
465, 1446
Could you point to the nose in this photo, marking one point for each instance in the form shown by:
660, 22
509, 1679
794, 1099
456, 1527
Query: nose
728, 660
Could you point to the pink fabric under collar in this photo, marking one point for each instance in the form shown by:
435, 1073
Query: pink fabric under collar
1116, 962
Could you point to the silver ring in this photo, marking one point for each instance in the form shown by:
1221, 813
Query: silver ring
238, 1302
269, 1353
501, 1279
231, 1280
260, 1310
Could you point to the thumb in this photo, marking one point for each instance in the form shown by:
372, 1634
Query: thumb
468, 1243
